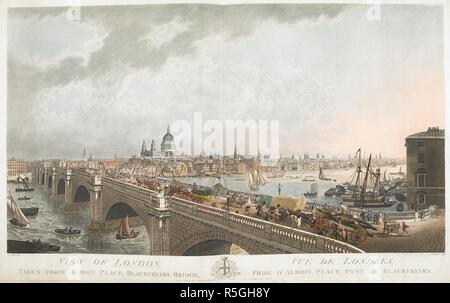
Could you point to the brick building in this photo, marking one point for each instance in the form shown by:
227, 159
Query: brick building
425, 165
16, 167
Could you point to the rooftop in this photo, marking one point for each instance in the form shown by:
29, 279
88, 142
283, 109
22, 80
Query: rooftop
432, 132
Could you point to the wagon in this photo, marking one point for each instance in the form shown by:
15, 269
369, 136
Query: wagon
341, 227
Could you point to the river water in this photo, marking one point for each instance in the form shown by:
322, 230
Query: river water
51, 214
292, 183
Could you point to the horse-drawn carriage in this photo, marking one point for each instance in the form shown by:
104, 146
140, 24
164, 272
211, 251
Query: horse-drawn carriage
180, 190
340, 226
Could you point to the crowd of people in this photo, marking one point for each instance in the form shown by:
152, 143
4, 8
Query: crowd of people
253, 206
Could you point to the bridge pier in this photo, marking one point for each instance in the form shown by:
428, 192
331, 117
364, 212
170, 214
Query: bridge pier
158, 226
54, 185
46, 180
96, 205
68, 200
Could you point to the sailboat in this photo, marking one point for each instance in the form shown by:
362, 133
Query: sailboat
322, 175
256, 179
236, 250
15, 215
124, 230
313, 190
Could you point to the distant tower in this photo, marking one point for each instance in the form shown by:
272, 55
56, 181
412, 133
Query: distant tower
152, 151
235, 155
143, 149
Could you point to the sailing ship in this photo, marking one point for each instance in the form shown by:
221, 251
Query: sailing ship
322, 175
313, 190
256, 179
364, 190
25, 185
15, 215
124, 230
372, 198
354, 187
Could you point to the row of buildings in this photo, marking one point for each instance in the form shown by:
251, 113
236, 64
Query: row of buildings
425, 160
16, 168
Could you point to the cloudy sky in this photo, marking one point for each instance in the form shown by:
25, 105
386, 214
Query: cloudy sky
333, 78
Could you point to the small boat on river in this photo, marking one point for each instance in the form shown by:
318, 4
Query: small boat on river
309, 179
24, 198
323, 177
313, 191
330, 192
68, 231
124, 230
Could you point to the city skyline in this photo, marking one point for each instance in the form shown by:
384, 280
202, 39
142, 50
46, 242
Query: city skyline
105, 90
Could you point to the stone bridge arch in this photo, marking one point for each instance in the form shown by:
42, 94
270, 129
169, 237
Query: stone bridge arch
61, 186
50, 181
213, 235
81, 193
114, 210
187, 232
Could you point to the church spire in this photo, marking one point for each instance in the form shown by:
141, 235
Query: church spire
235, 152
143, 149
152, 148
168, 128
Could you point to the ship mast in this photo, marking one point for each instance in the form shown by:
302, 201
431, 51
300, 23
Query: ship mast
363, 189
358, 174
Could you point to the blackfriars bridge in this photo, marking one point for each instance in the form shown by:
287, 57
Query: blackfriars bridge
174, 225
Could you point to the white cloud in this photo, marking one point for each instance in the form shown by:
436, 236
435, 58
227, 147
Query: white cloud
163, 34
312, 76
45, 43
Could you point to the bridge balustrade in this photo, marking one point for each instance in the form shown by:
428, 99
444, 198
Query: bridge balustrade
292, 237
